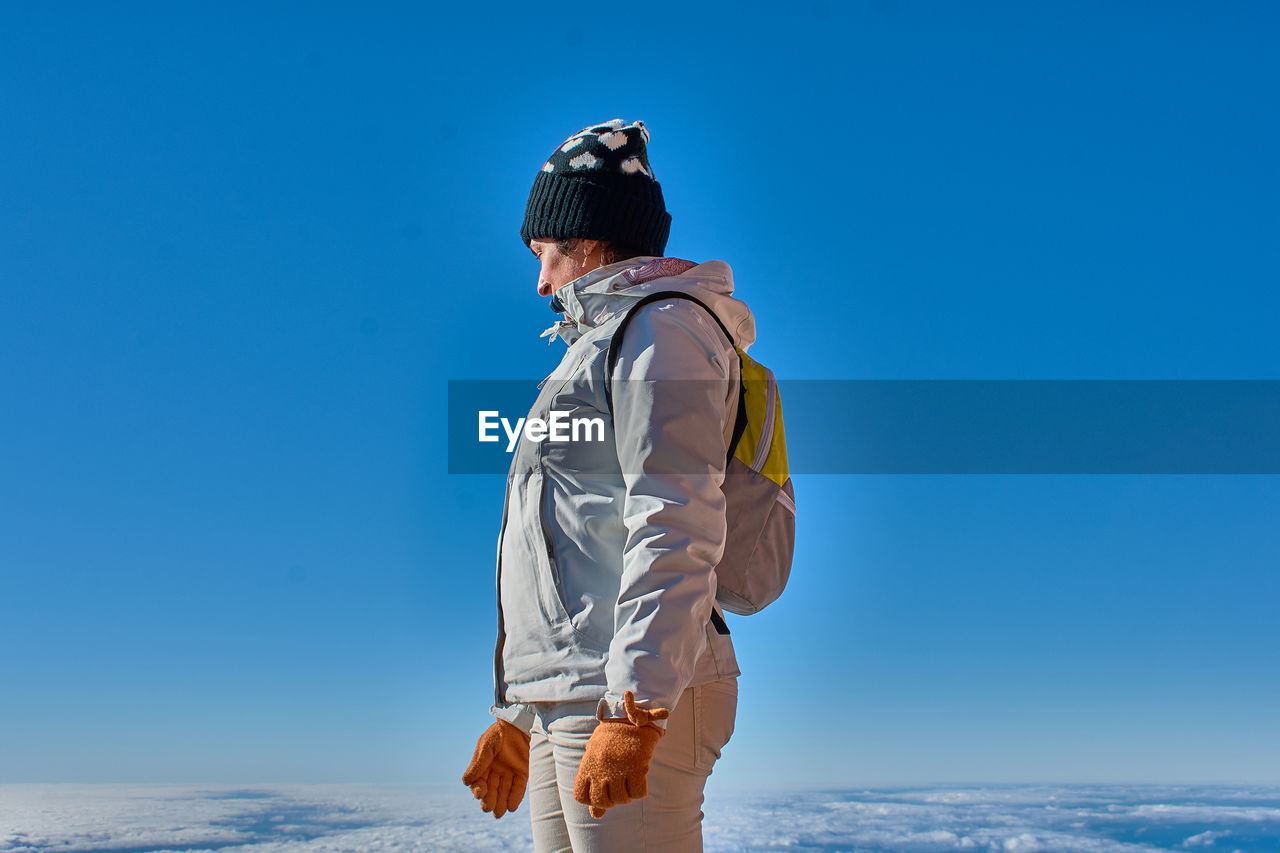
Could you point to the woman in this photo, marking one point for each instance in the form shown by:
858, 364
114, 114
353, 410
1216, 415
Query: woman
615, 676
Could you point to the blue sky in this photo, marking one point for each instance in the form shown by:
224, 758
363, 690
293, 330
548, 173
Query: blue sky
243, 249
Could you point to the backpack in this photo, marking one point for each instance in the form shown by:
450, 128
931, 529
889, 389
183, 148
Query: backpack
759, 496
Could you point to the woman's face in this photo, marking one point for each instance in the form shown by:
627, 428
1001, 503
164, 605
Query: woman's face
559, 268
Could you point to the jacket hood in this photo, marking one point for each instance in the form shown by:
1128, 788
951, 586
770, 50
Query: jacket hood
606, 293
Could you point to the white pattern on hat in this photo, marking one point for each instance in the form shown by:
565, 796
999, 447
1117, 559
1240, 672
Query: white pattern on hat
572, 143
548, 167
631, 165
613, 140
584, 161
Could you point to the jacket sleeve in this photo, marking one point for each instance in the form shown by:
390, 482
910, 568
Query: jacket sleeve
519, 715
672, 394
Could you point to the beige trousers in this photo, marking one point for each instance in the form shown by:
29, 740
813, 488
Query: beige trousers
669, 819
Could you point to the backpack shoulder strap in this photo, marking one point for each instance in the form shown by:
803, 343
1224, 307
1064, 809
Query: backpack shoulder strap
611, 361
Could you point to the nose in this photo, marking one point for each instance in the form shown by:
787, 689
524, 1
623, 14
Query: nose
544, 288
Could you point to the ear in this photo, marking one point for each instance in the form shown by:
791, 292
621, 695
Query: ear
589, 248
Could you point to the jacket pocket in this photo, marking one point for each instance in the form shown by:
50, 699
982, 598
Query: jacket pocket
546, 573
577, 621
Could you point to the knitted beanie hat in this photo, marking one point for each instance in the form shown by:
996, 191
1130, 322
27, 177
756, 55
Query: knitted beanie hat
598, 185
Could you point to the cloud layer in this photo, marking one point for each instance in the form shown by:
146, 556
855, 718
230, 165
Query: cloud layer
319, 818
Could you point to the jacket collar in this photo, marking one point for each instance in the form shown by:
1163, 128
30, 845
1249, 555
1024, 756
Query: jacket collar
605, 293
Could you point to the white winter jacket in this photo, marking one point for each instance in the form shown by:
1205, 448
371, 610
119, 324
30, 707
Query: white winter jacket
605, 559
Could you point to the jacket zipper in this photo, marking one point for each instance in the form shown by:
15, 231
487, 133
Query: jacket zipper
502, 634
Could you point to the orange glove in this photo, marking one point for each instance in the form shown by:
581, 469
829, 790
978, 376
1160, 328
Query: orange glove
500, 768
616, 759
